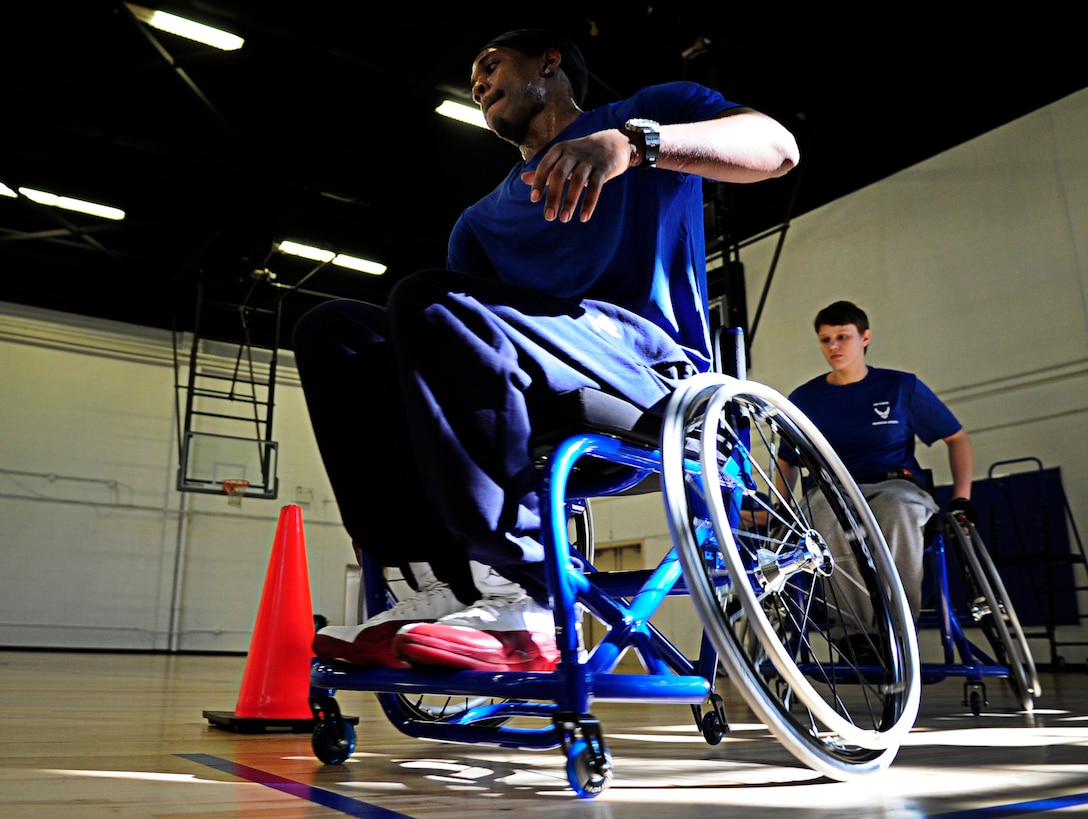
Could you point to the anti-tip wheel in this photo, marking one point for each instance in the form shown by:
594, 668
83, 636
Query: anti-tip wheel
588, 772
333, 742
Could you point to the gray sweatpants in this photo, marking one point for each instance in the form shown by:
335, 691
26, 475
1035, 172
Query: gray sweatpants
901, 509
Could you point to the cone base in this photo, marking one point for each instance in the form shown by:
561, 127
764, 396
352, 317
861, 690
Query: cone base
258, 725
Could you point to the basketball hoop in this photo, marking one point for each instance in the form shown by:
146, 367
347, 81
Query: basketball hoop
235, 489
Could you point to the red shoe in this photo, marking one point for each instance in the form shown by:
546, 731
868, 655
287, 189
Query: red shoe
367, 645
496, 634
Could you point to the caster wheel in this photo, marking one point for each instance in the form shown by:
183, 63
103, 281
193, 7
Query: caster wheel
333, 742
713, 730
587, 773
976, 703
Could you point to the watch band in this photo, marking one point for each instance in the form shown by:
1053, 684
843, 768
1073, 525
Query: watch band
644, 135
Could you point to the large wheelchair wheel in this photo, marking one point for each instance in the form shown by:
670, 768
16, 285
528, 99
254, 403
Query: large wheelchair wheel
774, 599
991, 610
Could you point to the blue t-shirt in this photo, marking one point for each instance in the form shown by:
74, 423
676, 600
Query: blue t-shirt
644, 249
872, 423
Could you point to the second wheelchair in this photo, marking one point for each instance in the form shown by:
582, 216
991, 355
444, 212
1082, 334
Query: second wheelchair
966, 601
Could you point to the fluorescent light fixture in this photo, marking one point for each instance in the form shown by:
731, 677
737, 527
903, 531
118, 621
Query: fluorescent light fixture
164, 21
306, 251
462, 113
318, 254
362, 265
68, 203
6, 191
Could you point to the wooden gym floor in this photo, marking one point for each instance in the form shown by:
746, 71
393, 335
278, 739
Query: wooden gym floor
98, 734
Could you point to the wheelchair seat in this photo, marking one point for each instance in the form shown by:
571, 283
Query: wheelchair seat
592, 411
589, 409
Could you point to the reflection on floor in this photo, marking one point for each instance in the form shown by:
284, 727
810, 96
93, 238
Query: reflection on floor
88, 735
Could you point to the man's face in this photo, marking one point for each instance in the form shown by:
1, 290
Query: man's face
843, 345
507, 86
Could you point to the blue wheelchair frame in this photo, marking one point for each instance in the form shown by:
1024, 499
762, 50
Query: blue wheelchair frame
624, 601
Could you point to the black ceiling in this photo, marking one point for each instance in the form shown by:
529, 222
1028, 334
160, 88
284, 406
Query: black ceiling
321, 129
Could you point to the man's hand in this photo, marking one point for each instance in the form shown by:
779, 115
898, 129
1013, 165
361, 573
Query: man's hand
578, 168
963, 506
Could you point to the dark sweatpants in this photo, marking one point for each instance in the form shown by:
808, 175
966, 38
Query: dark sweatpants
423, 411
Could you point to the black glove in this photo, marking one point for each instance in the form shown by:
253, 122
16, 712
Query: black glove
965, 507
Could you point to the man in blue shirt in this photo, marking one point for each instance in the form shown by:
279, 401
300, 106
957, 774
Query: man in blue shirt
584, 268
872, 417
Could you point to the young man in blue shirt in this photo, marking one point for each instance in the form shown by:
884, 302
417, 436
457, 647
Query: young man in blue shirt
872, 417
585, 267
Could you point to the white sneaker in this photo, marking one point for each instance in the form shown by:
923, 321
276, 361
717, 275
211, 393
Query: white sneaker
510, 613
371, 643
492, 584
506, 630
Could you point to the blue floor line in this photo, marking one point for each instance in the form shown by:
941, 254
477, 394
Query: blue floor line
1017, 808
319, 796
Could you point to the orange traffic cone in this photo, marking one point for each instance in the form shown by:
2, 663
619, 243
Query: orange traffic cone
276, 681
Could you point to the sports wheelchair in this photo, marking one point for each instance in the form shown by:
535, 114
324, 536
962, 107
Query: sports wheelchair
977, 602
767, 589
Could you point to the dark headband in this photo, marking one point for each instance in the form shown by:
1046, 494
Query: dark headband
535, 41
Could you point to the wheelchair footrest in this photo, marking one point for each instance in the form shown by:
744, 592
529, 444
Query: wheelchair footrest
528, 685
973, 672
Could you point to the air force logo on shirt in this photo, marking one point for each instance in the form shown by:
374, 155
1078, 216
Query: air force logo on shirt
605, 325
883, 409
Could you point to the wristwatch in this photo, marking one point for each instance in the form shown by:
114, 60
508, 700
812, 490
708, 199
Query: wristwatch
645, 136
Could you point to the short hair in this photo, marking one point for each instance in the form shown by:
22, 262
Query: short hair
840, 313
535, 41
